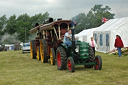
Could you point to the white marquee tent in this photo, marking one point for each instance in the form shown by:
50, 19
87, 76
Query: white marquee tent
105, 34
85, 35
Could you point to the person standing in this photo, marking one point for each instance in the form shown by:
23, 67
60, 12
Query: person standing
118, 44
67, 38
93, 44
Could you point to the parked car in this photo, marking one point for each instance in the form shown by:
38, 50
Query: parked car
26, 47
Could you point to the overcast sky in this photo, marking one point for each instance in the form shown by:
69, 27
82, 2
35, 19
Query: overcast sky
65, 9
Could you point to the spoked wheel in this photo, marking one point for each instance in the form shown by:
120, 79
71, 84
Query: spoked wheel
98, 60
52, 56
61, 58
38, 53
43, 53
32, 49
71, 64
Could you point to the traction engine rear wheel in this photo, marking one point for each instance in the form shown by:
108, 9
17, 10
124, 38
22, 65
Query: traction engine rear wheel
38, 53
44, 57
61, 58
98, 60
71, 64
32, 49
52, 56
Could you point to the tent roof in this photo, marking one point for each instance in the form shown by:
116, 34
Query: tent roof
112, 24
85, 32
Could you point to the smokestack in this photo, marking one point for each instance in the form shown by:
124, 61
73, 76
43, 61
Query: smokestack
36, 24
59, 19
48, 21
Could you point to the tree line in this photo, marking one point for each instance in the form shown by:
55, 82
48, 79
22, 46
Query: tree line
93, 18
20, 26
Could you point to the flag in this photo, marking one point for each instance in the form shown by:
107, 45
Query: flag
104, 19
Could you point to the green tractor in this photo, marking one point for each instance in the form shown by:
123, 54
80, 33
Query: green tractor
80, 53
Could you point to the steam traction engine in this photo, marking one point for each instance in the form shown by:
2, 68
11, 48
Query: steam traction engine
48, 44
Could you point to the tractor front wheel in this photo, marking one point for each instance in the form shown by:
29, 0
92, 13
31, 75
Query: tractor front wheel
71, 64
98, 60
61, 58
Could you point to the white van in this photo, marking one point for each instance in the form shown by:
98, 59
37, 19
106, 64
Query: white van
26, 47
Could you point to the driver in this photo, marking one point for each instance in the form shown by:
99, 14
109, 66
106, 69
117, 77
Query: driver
67, 38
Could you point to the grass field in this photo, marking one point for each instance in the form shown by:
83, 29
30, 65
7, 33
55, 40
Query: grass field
19, 69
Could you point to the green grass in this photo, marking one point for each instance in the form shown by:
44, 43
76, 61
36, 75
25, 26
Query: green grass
19, 69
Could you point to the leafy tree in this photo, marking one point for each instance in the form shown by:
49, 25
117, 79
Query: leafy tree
99, 11
93, 17
23, 26
80, 19
11, 25
39, 18
23, 23
3, 21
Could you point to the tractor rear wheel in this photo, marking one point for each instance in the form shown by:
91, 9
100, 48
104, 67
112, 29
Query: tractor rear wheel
98, 60
52, 56
38, 53
61, 58
71, 64
43, 51
91, 53
91, 57
32, 49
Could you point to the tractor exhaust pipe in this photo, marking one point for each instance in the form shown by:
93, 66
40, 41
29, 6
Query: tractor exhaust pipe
73, 41
73, 38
